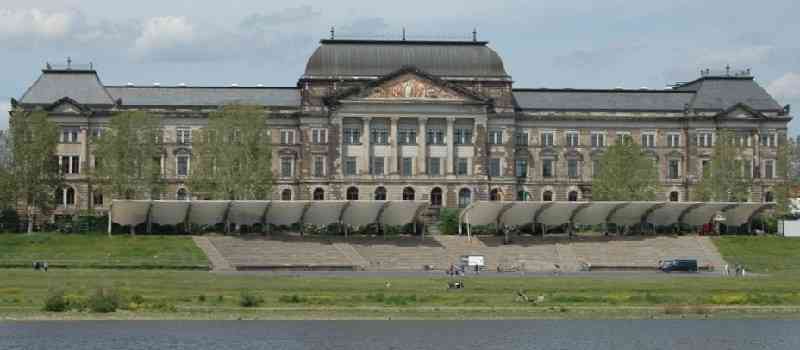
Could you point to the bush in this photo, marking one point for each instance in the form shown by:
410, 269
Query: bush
292, 299
248, 299
9, 220
104, 301
448, 221
55, 302
137, 298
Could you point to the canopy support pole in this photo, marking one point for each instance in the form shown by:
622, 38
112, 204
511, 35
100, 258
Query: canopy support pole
110, 212
264, 228
186, 224
149, 219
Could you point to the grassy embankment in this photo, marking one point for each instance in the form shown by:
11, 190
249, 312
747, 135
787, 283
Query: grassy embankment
202, 295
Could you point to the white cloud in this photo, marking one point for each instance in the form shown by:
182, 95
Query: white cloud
5, 106
164, 33
786, 87
37, 23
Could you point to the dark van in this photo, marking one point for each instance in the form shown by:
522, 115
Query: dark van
688, 265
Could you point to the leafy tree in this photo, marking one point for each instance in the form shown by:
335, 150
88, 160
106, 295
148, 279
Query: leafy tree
726, 179
35, 174
626, 173
232, 156
786, 182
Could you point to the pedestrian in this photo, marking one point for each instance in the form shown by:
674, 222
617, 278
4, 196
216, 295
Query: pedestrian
726, 271
743, 271
45, 266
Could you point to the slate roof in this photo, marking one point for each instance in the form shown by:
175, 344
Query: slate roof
205, 96
719, 93
616, 100
83, 86
373, 58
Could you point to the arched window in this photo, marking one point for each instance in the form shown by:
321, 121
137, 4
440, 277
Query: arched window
547, 196
59, 196
464, 197
572, 196
352, 194
768, 197
97, 199
182, 195
674, 196
286, 195
408, 194
319, 194
70, 197
494, 195
436, 197
380, 194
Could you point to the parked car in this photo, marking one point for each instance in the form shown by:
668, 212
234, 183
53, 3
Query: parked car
687, 265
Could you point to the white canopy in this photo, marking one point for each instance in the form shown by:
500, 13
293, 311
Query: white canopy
743, 212
168, 212
483, 213
558, 213
704, 213
129, 212
285, 213
208, 213
362, 213
632, 212
247, 212
521, 213
323, 213
595, 213
397, 213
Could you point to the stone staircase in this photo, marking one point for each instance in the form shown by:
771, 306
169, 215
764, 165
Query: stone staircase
284, 252
401, 253
218, 262
348, 251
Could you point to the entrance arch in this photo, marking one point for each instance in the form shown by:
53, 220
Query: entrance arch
408, 194
436, 197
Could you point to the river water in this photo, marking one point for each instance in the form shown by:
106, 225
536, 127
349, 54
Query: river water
358, 335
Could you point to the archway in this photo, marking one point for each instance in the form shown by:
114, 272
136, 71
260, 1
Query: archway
436, 197
769, 197
572, 196
547, 196
408, 194
286, 195
494, 195
182, 194
319, 194
352, 194
464, 197
380, 193
674, 196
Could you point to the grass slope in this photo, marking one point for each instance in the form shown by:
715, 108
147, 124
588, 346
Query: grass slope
100, 251
768, 254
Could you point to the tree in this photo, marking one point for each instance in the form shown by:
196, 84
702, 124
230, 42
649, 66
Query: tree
726, 179
34, 167
626, 173
231, 157
787, 152
128, 156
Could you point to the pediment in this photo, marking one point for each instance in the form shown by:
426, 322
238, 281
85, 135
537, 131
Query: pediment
740, 111
66, 105
410, 86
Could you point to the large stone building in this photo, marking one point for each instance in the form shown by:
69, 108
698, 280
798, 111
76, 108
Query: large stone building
436, 121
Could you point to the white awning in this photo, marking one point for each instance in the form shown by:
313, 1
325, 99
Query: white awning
247, 212
558, 213
631, 213
703, 213
323, 213
742, 213
362, 213
521, 213
129, 212
285, 213
168, 212
596, 213
398, 213
207, 213
483, 213
669, 213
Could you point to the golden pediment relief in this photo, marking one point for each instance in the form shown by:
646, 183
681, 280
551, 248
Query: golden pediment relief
413, 88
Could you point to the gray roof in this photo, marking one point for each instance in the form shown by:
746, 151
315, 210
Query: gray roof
365, 58
204, 96
618, 100
83, 86
719, 93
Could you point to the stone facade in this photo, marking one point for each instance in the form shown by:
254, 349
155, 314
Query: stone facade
379, 124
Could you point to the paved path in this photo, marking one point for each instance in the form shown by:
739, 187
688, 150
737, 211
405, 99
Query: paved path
218, 262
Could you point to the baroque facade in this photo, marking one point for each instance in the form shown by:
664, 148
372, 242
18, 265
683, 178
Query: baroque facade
436, 121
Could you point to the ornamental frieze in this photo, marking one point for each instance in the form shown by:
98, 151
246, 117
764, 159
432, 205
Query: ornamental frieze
412, 88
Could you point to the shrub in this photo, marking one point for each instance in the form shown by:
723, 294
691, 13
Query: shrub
248, 299
448, 221
291, 299
104, 301
55, 302
201, 298
162, 305
137, 298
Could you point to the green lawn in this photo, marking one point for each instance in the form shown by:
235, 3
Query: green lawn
100, 251
768, 254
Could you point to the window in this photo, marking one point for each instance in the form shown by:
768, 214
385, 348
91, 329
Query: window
352, 136
406, 166
769, 197
70, 164
494, 195
462, 166
673, 169
743, 140
649, 140
183, 135
521, 168
705, 139
286, 195
379, 136
547, 168
97, 133
769, 169
287, 137
380, 194
572, 168
573, 140
572, 196
464, 197
674, 196
434, 166
408, 194
463, 136
547, 139
624, 137
350, 166
521, 138
319, 194
435, 136
769, 140
65, 197
319, 166
494, 167
352, 194
183, 165
523, 196
69, 135
407, 137
319, 136
376, 166
97, 199
286, 167
495, 136
598, 140
673, 140
436, 197
182, 195
547, 196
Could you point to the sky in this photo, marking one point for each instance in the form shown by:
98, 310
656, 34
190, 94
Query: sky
557, 44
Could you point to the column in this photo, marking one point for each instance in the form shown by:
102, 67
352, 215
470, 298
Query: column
394, 150
450, 146
366, 144
339, 122
422, 146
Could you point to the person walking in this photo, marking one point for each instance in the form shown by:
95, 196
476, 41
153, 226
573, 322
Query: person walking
726, 271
